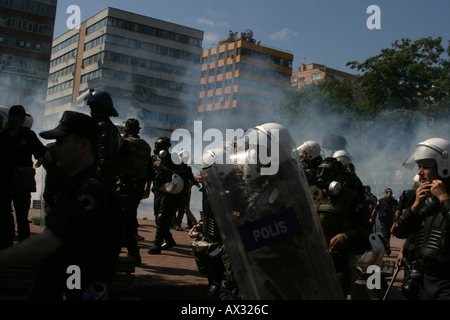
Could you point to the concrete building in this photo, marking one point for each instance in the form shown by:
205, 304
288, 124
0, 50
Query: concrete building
241, 81
26, 34
125, 53
316, 72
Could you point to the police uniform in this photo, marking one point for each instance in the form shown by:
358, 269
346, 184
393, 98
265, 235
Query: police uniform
386, 209
431, 248
86, 219
135, 170
185, 172
16, 151
164, 204
338, 214
108, 150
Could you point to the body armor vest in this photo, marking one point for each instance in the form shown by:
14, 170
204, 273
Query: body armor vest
108, 150
135, 164
333, 213
432, 239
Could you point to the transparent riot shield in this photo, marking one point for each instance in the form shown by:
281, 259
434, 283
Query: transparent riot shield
273, 236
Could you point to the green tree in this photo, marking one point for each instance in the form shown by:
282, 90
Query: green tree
401, 77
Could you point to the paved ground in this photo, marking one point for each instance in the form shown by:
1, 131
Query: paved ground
173, 275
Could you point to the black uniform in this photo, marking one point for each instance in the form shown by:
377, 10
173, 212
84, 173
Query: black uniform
164, 204
185, 172
108, 150
16, 151
135, 169
386, 209
431, 248
86, 219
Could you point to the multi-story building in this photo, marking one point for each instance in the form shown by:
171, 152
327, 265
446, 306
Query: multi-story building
26, 34
241, 81
125, 53
316, 72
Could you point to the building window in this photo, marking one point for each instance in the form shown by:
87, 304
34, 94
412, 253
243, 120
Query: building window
294, 79
316, 76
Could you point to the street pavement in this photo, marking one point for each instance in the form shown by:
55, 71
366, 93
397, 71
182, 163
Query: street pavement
173, 275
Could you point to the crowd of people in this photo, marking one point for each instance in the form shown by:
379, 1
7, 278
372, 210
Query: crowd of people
97, 176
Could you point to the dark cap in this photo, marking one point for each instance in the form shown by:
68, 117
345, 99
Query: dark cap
74, 123
18, 110
132, 124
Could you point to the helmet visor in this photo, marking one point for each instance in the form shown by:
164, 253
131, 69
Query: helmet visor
424, 155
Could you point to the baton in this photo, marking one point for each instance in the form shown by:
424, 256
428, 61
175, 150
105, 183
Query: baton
392, 282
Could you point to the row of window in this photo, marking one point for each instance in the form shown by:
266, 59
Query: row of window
144, 63
63, 58
26, 25
96, 26
220, 56
153, 31
65, 43
91, 76
264, 57
30, 6
24, 43
257, 85
263, 71
60, 87
240, 97
60, 73
248, 53
243, 82
149, 81
248, 68
162, 117
135, 44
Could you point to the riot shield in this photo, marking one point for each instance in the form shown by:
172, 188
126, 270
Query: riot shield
273, 236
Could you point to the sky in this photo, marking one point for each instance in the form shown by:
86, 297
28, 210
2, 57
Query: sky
327, 32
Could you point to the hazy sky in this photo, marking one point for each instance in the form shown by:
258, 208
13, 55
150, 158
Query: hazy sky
330, 32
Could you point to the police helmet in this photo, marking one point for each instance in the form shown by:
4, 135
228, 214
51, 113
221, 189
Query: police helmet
269, 138
175, 186
162, 144
343, 156
100, 103
184, 156
430, 152
311, 149
372, 255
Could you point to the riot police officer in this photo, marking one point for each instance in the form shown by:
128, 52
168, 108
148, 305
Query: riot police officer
166, 187
342, 224
385, 209
429, 217
311, 159
102, 108
135, 173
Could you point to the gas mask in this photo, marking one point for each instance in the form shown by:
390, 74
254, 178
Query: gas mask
326, 179
388, 193
160, 145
